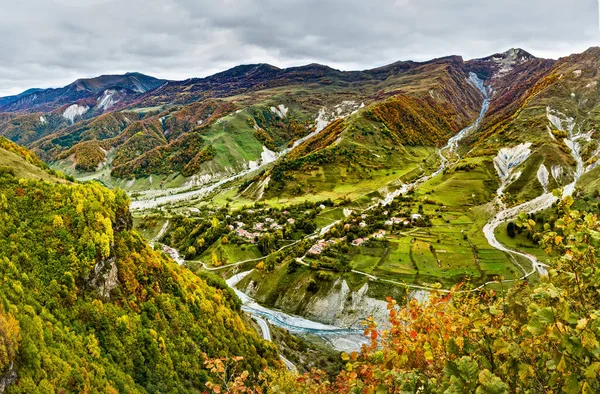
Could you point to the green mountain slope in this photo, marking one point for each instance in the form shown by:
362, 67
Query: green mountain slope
397, 133
87, 305
326, 190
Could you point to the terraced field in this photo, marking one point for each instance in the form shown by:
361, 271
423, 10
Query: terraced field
450, 250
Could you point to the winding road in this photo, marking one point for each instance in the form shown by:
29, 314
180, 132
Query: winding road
537, 204
299, 325
266, 332
541, 202
451, 145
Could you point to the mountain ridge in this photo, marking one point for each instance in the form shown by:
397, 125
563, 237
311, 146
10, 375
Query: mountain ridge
79, 91
243, 95
141, 83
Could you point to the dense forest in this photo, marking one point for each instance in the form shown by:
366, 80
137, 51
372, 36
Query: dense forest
87, 306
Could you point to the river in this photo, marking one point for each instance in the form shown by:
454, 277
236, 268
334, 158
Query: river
342, 339
451, 145
543, 201
348, 339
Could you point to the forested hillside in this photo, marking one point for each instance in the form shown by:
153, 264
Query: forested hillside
87, 306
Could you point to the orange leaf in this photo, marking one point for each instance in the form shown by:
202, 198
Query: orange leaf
558, 239
374, 335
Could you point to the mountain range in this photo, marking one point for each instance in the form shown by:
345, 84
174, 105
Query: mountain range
152, 228
136, 126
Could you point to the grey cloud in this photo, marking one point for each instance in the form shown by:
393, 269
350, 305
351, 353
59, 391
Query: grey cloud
50, 43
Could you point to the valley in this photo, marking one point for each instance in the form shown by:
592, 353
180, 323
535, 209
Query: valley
378, 264
300, 201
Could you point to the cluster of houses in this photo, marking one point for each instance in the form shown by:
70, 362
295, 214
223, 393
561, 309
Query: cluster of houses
359, 241
252, 234
268, 224
389, 223
238, 227
403, 221
378, 235
318, 248
247, 234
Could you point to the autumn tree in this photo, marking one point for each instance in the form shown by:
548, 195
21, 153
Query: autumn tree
9, 339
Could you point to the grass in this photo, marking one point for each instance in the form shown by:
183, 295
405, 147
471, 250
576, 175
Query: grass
230, 253
154, 182
455, 239
452, 249
397, 261
364, 262
22, 168
520, 242
590, 182
456, 234
454, 199
423, 257
458, 188
527, 186
148, 233
366, 259
233, 139
338, 183
144, 110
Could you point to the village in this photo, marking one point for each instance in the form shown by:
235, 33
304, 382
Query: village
356, 226
259, 228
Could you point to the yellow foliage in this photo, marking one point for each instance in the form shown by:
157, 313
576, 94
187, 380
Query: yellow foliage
57, 222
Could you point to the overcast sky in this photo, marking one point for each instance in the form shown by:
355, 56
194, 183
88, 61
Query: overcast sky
50, 43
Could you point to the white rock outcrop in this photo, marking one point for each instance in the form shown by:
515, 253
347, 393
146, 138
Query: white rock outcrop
281, 111
266, 156
75, 110
574, 140
343, 307
107, 99
507, 160
557, 172
543, 177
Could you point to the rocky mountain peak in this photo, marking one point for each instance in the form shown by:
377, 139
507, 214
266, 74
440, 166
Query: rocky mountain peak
517, 55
